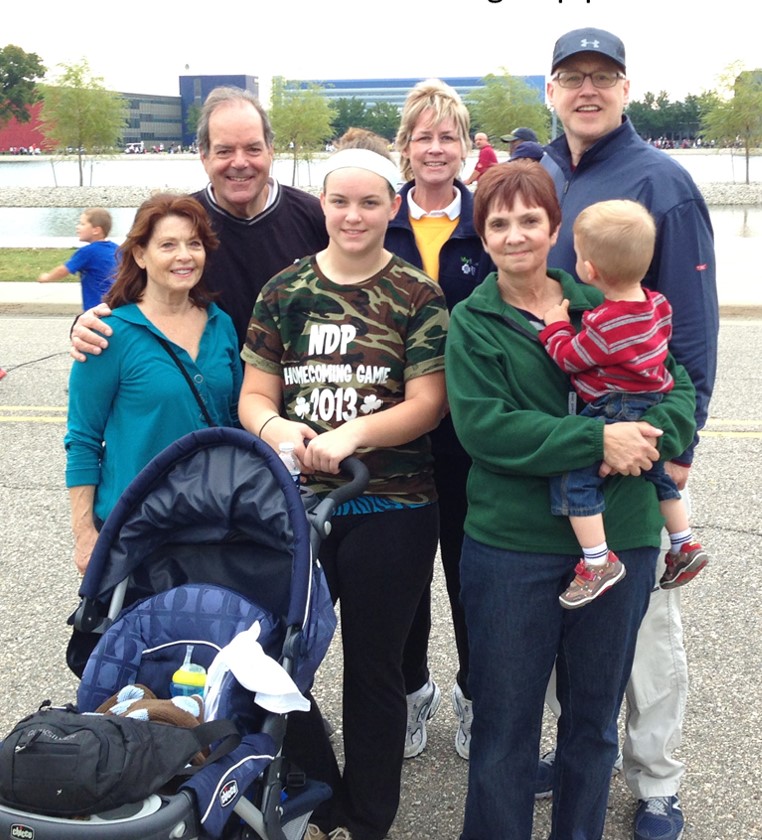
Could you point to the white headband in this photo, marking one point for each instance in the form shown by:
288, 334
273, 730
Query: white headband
363, 159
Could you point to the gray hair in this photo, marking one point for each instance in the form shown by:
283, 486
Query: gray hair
220, 96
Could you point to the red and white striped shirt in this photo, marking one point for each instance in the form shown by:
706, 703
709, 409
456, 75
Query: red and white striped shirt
621, 346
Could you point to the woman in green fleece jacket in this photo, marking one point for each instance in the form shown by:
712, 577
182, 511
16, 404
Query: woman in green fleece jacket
515, 413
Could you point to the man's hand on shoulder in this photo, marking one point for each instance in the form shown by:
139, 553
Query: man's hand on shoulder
87, 334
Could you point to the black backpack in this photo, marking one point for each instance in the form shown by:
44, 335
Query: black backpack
63, 763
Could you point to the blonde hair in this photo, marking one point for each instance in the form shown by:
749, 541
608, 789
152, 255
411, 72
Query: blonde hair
444, 103
618, 237
99, 217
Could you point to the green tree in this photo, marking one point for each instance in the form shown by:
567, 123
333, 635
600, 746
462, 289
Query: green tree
349, 112
736, 117
652, 116
19, 72
78, 112
384, 119
192, 118
655, 116
301, 120
692, 112
504, 103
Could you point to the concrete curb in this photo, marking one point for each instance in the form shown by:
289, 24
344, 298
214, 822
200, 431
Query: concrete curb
40, 308
65, 299
52, 308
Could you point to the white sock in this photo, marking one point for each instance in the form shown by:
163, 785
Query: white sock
597, 555
677, 541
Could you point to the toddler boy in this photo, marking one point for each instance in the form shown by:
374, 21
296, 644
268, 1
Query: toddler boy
96, 262
616, 364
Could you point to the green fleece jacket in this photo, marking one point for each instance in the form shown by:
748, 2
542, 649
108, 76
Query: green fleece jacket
510, 404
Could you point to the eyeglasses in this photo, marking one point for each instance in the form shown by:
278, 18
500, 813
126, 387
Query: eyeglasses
572, 79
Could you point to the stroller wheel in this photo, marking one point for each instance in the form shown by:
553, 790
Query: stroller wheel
155, 818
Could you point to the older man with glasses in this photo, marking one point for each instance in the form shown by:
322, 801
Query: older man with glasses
600, 156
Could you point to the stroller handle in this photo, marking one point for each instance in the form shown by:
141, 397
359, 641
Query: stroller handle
358, 481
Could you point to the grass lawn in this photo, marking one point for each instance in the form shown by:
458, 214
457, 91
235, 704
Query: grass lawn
26, 264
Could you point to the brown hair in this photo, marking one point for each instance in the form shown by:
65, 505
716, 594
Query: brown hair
618, 237
130, 277
99, 217
444, 102
362, 138
224, 96
501, 184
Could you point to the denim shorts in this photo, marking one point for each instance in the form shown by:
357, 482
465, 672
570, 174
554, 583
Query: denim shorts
580, 492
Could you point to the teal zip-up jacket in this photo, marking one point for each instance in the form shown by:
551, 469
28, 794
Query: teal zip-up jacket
132, 401
510, 406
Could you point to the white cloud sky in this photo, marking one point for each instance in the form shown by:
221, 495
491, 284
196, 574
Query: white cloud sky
144, 47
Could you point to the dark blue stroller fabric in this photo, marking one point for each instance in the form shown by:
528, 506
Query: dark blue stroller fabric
210, 537
217, 505
218, 787
147, 644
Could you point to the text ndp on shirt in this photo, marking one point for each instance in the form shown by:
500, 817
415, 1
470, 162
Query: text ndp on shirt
329, 404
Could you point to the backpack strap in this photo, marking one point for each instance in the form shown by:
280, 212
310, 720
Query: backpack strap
181, 367
224, 731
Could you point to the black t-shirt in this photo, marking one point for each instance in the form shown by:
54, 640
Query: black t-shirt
251, 251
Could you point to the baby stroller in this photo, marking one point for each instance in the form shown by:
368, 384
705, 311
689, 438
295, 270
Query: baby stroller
212, 536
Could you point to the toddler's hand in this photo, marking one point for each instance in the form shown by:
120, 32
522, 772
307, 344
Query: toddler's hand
559, 312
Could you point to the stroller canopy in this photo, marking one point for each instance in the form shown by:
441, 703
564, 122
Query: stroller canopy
217, 506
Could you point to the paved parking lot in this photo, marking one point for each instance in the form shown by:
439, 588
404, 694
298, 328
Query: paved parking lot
723, 620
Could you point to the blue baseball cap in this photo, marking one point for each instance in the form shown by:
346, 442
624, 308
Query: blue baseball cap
588, 40
528, 149
521, 133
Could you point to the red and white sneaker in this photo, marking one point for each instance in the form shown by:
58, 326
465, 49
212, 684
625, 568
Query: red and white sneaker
683, 565
592, 581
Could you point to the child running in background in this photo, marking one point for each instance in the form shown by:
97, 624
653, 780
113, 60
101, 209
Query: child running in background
616, 364
96, 262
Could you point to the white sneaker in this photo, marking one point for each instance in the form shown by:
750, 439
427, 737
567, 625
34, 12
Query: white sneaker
314, 833
422, 705
464, 709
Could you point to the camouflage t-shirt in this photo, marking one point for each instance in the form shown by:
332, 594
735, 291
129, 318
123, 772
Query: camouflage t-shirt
345, 351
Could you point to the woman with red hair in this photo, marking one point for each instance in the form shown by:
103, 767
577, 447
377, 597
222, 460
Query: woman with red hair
126, 405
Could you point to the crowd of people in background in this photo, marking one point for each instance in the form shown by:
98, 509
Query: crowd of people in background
22, 150
139, 148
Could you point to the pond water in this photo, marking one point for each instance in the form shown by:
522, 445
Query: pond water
738, 230
156, 171
185, 171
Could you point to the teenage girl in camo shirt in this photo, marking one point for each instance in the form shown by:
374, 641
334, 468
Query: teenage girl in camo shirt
345, 353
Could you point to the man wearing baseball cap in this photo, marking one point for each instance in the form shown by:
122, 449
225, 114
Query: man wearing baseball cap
600, 156
527, 149
518, 135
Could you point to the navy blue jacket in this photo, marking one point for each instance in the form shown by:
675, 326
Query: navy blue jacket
463, 262
623, 165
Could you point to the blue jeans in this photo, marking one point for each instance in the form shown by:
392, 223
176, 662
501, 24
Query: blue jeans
580, 492
517, 629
